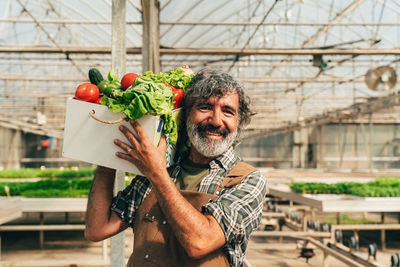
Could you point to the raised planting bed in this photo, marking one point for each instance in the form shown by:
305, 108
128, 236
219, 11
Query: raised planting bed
71, 182
337, 202
381, 187
47, 188
48, 182
47, 173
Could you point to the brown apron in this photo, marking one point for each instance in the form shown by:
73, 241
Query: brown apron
155, 243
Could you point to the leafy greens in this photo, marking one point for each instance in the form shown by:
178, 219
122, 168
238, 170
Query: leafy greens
149, 94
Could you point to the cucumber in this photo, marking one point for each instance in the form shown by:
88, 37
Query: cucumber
95, 76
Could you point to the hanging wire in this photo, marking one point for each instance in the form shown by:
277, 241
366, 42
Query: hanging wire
380, 19
245, 26
251, 36
330, 17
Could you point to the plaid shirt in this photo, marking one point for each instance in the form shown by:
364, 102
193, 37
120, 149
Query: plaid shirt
237, 210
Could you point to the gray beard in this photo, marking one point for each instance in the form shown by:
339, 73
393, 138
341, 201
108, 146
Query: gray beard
209, 148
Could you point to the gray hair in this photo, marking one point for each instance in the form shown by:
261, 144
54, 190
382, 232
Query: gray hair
213, 83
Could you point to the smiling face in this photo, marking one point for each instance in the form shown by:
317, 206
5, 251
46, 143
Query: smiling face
212, 126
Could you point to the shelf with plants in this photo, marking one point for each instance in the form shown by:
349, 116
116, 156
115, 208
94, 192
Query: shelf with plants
42, 183
46, 182
381, 187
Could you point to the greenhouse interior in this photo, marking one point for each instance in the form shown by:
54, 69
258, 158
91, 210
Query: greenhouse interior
322, 81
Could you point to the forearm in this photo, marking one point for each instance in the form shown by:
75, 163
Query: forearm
199, 234
101, 222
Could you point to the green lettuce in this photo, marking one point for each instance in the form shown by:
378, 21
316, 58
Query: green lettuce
176, 78
145, 96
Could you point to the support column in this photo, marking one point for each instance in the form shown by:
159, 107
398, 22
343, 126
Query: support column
383, 232
41, 232
300, 147
370, 143
358, 239
14, 156
117, 242
151, 35
296, 150
325, 262
118, 39
320, 148
337, 217
118, 58
383, 239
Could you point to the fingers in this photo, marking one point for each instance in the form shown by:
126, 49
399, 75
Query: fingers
129, 155
124, 146
141, 133
129, 135
162, 146
125, 156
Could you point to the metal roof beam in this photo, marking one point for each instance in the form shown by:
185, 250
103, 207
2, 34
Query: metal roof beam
207, 23
354, 111
206, 51
321, 31
11, 77
49, 36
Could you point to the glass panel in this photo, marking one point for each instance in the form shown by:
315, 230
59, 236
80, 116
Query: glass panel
379, 133
329, 134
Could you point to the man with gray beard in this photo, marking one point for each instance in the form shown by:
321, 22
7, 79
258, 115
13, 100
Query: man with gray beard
199, 212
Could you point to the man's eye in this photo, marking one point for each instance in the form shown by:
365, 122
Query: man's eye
203, 107
229, 112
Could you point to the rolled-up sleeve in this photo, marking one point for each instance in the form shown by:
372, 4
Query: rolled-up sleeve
238, 209
127, 201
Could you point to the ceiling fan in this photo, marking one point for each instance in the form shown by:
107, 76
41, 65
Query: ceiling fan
381, 78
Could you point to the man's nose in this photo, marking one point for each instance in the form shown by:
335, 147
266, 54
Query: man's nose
215, 119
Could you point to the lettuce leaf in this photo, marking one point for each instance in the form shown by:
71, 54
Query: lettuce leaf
145, 96
176, 78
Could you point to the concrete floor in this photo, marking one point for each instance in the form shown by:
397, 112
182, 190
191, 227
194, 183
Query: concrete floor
71, 249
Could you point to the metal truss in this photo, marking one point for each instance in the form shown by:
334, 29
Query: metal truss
47, 47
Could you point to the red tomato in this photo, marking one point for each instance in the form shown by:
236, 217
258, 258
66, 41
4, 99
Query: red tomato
178, 96
87, 92
128, 80
98, 100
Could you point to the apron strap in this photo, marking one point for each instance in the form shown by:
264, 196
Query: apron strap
235, 176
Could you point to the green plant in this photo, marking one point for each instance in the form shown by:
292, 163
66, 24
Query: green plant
381, 187
48, 188
346, 218
47, 173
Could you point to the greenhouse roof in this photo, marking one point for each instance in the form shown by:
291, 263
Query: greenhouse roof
303, 62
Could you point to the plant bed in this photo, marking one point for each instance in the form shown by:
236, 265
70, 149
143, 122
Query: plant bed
47, 188
381, 187
48, 182
47, 173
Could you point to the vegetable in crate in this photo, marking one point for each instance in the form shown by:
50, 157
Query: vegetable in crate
177, 78
149, 94
95, 76
178, 96
87, 92
128, 80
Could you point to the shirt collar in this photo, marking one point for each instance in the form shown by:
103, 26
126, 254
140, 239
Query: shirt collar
225, 160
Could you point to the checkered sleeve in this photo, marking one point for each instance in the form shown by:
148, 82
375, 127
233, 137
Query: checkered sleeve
238, 209
127, 201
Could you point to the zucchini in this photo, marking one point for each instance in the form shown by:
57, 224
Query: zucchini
95, 76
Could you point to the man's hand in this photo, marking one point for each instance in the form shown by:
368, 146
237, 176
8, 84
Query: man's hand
149, 159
